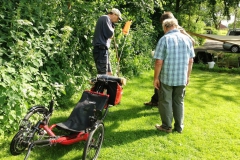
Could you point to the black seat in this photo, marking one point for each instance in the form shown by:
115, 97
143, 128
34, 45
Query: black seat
88, 105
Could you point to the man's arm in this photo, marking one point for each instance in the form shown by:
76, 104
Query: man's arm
157, 70
107, 28
190, 64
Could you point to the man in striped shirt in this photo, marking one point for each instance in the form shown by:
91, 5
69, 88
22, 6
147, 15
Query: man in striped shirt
173, 64
165, 15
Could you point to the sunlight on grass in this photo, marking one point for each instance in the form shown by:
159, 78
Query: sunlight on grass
212, 107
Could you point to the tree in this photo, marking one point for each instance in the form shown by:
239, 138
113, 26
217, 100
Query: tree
220, 9
236, 23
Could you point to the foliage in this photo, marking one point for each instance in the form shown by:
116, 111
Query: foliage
46, 51
36, 58
236, 23
217, 69
222, 32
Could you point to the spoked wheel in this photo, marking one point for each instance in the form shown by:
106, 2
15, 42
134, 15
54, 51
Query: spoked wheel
26, 132
18, 144
94, 143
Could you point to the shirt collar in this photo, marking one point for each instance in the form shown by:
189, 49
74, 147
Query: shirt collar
172, 31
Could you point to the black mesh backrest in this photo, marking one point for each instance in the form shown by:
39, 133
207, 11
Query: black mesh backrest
79, 118
94, 99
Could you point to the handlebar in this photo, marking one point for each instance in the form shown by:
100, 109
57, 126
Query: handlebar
51, 104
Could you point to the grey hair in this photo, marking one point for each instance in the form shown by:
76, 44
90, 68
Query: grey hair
171, 22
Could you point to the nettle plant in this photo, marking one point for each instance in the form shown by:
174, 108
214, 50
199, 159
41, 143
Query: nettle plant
30, 73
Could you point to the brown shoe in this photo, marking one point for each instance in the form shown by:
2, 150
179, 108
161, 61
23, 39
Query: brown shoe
160, 128
150, 104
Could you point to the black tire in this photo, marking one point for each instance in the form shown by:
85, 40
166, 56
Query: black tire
25, 134
17, 145
34, 114
234, 49
94, 143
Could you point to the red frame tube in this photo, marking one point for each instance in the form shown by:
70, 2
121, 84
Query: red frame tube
66, 139
70, 139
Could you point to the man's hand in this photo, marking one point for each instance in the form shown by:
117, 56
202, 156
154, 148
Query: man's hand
113, 25
156, 83
190, 64
157, 70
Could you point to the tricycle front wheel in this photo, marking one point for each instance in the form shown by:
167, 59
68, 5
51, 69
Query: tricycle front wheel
27, 130
18, 144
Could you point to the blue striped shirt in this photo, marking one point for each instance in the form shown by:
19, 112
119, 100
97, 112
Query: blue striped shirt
175, 49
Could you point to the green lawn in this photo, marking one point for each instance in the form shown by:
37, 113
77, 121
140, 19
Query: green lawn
212, 116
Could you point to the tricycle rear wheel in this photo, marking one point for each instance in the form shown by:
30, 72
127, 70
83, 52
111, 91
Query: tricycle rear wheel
94, 143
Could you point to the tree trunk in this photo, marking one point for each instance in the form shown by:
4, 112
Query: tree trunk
235, 19
177, 9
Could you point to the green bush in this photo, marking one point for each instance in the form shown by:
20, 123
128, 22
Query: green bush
46, 51
205, 67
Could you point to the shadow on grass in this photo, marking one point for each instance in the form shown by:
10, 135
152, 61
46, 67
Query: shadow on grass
208, 86
125, 137
114, 137
74, 152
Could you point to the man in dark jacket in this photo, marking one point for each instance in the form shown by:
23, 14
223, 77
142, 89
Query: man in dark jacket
104, 31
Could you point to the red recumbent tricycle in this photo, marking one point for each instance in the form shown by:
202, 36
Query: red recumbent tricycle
85, 122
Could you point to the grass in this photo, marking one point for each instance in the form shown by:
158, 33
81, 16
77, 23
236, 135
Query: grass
212, 107
222, 32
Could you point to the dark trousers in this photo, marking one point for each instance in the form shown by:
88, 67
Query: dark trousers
101, 58
154, 98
